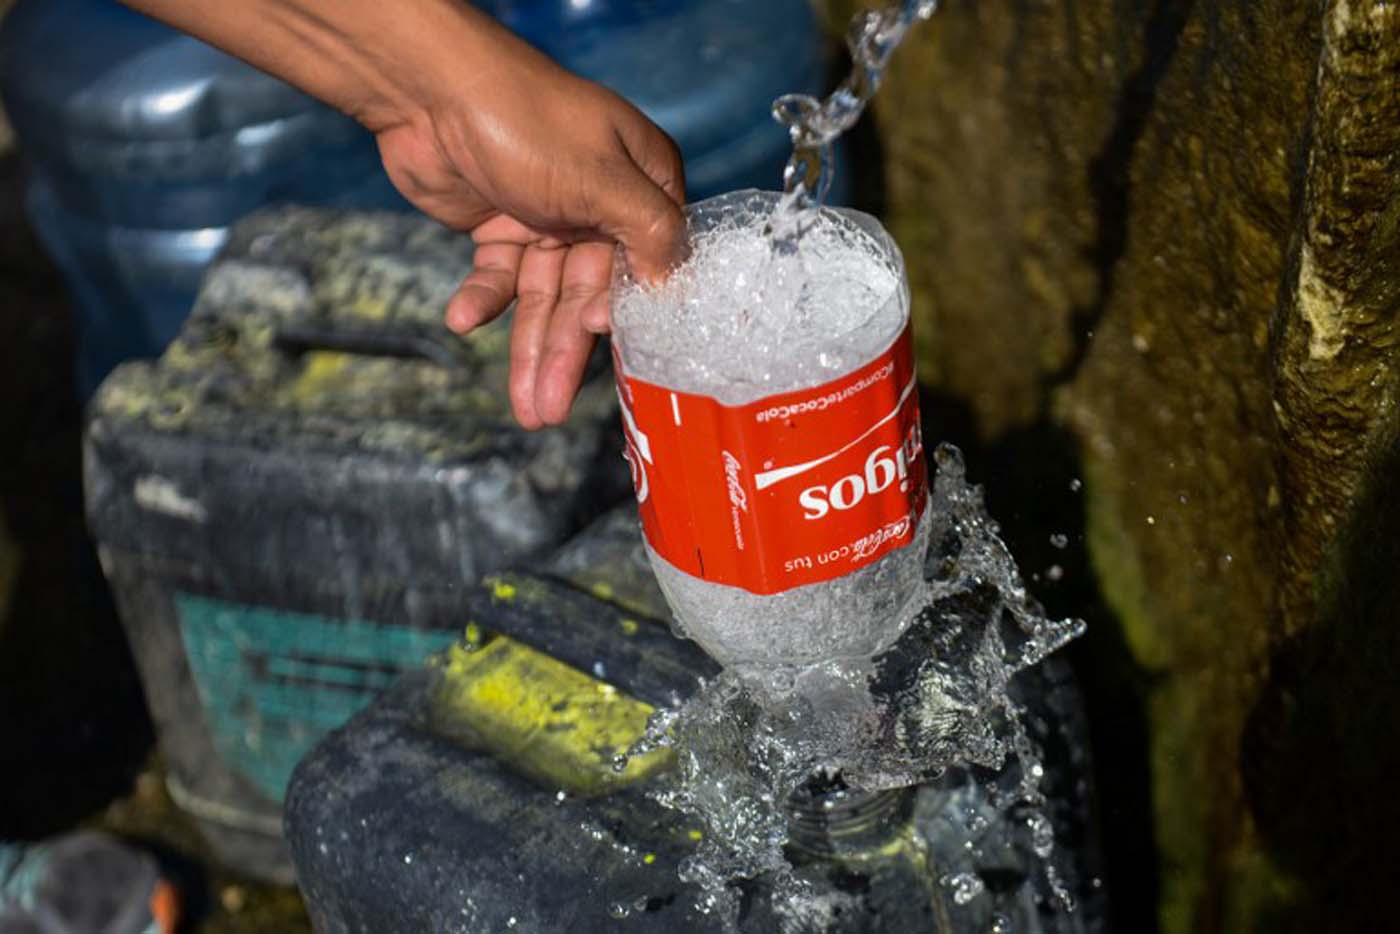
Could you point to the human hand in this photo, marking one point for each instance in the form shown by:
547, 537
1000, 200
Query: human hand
549, 172
484, 133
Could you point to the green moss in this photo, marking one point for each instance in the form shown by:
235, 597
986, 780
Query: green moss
1117, 565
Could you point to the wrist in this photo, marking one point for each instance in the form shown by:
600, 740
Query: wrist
446, 53
408, 56
385, 62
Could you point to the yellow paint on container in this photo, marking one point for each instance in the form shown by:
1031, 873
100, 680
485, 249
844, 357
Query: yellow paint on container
559, 726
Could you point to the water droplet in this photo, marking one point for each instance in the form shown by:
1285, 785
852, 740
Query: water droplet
1042, 835
1001, 924
1059, 540
511, 922
408, 859
965, 886
1061, 891
1054, 572
1076, 485
619, 910
1151, 520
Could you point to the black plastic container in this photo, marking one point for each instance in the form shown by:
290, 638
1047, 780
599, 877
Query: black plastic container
291, 503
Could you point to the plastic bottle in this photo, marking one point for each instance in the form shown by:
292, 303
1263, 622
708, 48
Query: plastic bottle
776, 451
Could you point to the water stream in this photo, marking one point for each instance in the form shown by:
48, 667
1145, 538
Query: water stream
815, 125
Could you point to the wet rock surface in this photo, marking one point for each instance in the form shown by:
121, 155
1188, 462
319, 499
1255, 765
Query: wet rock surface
1164, 234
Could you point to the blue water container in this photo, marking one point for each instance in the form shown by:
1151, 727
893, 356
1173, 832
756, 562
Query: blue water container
144, 146
706, 71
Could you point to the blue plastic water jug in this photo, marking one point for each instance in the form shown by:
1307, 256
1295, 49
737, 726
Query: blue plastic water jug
144, 145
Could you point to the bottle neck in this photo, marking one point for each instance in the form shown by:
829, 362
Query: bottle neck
840, 821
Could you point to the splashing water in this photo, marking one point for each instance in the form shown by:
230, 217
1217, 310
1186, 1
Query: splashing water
939, 699
816, 125
921, 744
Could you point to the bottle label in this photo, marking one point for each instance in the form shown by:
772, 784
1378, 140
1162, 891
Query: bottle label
792, 489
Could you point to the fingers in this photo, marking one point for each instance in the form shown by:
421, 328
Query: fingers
562, 274
587, 284
504, 228
538, 288
583, 292
488, 288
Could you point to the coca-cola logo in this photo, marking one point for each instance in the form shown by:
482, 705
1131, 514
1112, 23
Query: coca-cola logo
872, 543
732, 470
637, 451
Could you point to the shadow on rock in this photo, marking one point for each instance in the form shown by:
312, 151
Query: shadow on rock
1322, 746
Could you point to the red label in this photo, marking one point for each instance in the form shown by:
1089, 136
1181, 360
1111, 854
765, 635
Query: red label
793, 489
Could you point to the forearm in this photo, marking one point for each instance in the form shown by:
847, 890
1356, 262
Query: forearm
381, 61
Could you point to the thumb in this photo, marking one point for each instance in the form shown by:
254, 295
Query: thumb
639, 214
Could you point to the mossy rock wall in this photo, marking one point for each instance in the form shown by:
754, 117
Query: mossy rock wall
1173, 229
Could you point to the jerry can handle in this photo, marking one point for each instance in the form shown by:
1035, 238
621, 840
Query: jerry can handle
296, 338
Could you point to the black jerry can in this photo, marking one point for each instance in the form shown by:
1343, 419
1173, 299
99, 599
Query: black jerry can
291, 502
